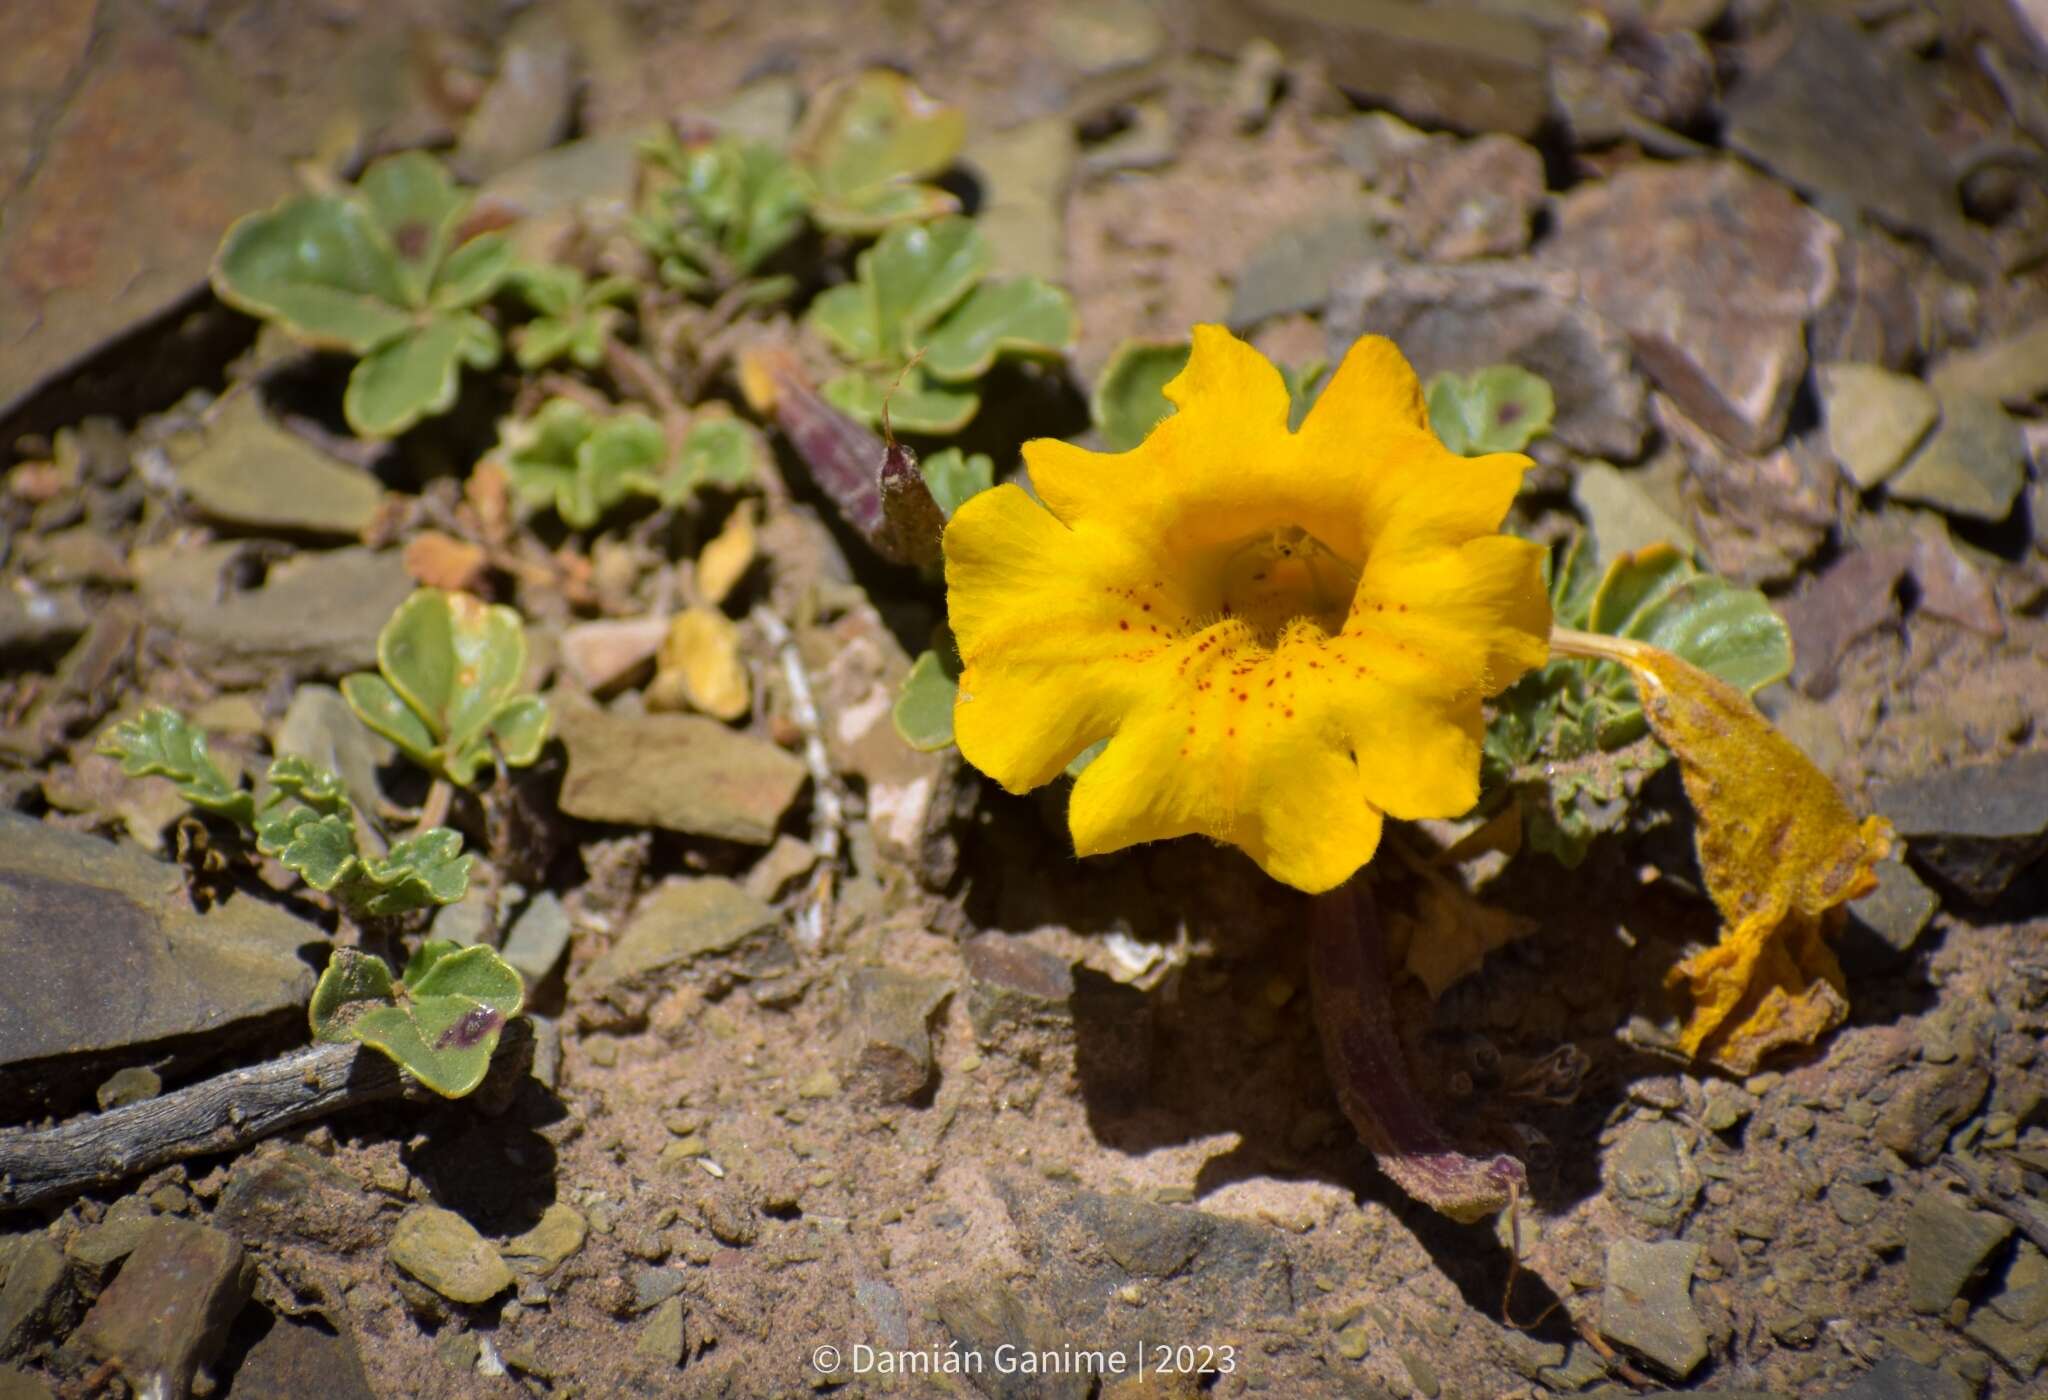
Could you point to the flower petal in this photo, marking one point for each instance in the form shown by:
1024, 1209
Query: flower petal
1452, 623
1042, 615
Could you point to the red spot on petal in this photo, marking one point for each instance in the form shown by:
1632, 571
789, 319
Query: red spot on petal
1124, 625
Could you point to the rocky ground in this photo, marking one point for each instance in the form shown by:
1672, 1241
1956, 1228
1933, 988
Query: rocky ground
1783, 265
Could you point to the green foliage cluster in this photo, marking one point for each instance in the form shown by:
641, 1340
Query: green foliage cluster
301, 817
1569, 740
921, 323
440, 1021
583, 466
447, 686
388, 272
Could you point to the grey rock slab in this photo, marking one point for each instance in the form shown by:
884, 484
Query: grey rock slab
557, 1235
986, 1318
662, 1338
892, 1051
97, 1250
608, 655
1977, 826
36, 624
1473, 315
249, 471
299, 1358
527, 108
1622, 515
2013, 370
1296, 267
1478, 200
444, 1252
1891, 917
1712, 271
677, 924
1650, 1174
1758, 517
1974, 464
1454, 65
678, 772
1947, 1243
1833, 118
1013, 983
1916, 1121
1899, 1378
112, 962
17, 1384
1874, 418
317, 613
538, 937
37, 1298
291, 1195
653, 1286
1855, 596
167, 1313
1025, 172
1646, 1305
319, 726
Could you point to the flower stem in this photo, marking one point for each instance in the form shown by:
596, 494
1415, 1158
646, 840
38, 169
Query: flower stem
1595, 646
1355, 1015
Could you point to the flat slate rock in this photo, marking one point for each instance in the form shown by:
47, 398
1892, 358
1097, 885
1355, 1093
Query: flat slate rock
1974, 464
1874, 418
109, 961
1647, 1303
167, 1313
300, 1358
317, 613
678, 772
248, 470
1657, 249
1976, 826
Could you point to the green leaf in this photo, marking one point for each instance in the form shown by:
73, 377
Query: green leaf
1502, 408
919, 272
1129, 398
915, 405
845, 315
473, 272
353, 982
622, 450
953, 476
1022, 316
575, 316
719, 450
923, 713
321, 850
160, 742
445, 1030
866, 142
422, 870
475, 971
454, 658
384, 710
416, 206
444, 1042
319, 267
520, 728
306, 781
1304, 385
416, 375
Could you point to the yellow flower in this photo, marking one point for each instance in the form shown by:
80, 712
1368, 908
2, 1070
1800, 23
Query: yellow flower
1283, 635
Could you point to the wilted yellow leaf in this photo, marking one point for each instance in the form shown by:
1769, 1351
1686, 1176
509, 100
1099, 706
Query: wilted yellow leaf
699, 667
1449, 933
1781, 852
722, 563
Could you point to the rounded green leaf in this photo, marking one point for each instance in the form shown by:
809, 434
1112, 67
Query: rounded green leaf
915, 406
318, 266
1727, 631
416, 376
866, 141
473, 272
520, 729
718, 450
422, 870
919, 272
416, 205
455, 661
953, 476
353, 982
1129, 399
1022, 316
384, 710
444, 1042
620, 451
1502, 408
924, 706
321, 850
845, 316
476, 972
1635, 582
